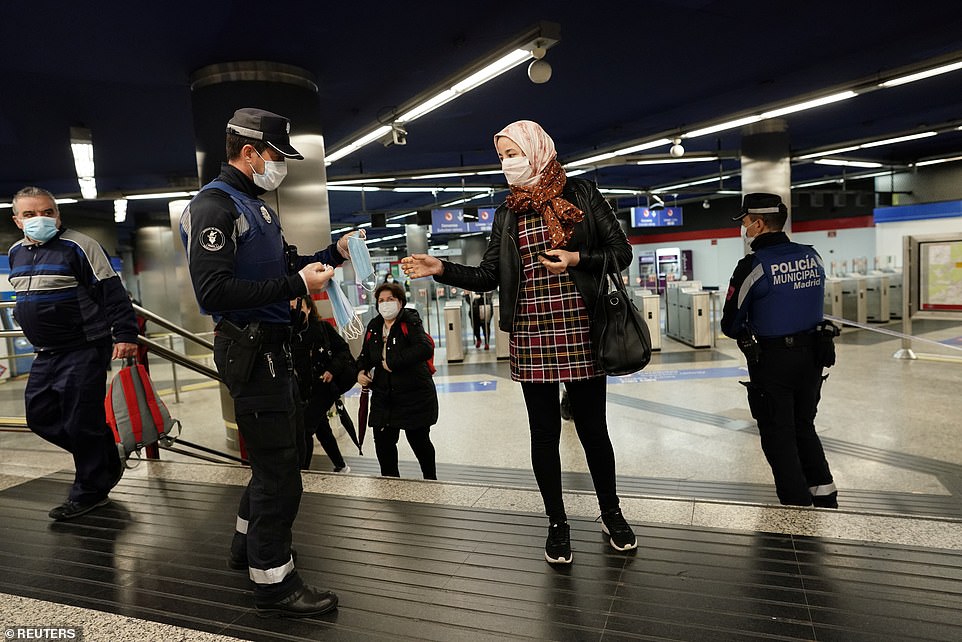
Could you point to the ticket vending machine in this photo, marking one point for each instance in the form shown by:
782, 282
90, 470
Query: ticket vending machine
672, 264
647, 271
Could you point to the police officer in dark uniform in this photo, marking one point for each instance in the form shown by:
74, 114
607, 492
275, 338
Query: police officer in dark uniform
773, 309
244, 274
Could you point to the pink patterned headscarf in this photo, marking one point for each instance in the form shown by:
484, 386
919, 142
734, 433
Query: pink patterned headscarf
542, 192
534, 142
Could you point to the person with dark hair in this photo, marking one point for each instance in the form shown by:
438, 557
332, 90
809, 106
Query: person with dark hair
245, 274
393, 363
774, 310
481, 313
74, 310
546, 253
325, 370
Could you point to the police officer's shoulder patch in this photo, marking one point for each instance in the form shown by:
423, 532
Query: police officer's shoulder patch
212, 239
265, 214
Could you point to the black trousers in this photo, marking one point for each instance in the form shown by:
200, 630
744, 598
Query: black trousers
544, 420
270, 424
783, 394
64, 402
316, 422
385, 445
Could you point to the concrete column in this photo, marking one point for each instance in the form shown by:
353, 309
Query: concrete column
766, 161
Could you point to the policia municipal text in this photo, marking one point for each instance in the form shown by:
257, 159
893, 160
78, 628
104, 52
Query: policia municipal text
245, 275
774, 310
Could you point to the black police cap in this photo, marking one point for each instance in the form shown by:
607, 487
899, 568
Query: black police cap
761, 203
259, 124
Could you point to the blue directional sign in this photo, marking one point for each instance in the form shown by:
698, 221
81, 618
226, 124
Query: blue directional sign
485, 220
448, 221
662, 217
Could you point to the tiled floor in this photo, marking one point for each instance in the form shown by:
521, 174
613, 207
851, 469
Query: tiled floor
688, 458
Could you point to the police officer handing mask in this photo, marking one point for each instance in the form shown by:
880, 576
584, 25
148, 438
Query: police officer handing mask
773, 309
244, 275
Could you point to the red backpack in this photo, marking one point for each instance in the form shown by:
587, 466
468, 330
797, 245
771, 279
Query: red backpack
431, 368
135, 413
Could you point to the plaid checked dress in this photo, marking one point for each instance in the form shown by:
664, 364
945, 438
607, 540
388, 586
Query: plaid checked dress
550, 336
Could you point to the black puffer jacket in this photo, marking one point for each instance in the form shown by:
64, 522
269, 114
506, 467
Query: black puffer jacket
405, 396
501, 264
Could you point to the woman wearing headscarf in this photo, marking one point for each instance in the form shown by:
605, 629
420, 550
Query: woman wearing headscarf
546, 254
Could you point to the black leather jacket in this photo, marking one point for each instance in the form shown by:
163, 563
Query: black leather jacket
501, 264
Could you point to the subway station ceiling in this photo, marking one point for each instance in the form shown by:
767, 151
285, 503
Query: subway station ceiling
624, 74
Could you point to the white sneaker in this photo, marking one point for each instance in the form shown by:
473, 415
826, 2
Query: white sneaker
344, 469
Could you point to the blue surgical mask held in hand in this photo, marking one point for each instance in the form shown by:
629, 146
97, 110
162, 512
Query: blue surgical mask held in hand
388, 309
274, 173
40, 228
347, 322
361, 260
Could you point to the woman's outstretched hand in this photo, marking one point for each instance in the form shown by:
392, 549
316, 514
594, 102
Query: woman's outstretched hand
420, 265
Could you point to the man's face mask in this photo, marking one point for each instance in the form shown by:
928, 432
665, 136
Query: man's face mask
40, 228
274, 173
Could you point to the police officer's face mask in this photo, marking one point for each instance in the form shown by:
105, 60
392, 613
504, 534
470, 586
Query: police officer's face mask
745, 235
274, 173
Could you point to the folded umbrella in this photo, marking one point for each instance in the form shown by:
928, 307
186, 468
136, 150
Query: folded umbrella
345, 417
362, 416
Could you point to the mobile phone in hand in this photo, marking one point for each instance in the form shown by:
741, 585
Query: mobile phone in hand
553, 259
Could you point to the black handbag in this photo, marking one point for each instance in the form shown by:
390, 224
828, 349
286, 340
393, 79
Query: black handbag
619, 333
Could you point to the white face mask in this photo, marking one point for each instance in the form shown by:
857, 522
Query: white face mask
517, 170
745, 236
274, 173
388, 309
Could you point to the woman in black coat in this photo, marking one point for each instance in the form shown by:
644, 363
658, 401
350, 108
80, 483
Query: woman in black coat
393, 364
325, 369
546, 255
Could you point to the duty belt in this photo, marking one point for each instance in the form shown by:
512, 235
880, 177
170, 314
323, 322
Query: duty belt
800, 340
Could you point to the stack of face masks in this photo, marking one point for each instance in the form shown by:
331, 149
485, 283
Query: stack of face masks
347, 321
361, 260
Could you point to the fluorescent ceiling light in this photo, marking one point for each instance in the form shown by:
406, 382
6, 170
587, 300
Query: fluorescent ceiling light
357, 144
702, 181
542, 36
928, 73
362, 181
731, 124
898, 139
146, 197
874, 143
575, 172
120, 210
828, 152
82, 147
619, 152
936, 161
683, 159
809, 104
614, 190
447, 175
386, 238
846, 163
353, 188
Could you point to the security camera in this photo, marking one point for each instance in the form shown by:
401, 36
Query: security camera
399, 135
539, 71
677, 151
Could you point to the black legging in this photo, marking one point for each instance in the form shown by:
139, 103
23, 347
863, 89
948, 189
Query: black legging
385, 445
544, 419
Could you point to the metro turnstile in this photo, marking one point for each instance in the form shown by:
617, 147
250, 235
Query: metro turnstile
877, 298
689, 316
453, 332
853, 299
650, 309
